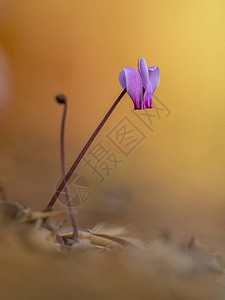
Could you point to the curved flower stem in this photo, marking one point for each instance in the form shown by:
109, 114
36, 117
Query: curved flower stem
54, 231
83, 151
62, 100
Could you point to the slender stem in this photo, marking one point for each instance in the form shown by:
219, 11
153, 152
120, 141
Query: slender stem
54, 231
83, 151
62, 100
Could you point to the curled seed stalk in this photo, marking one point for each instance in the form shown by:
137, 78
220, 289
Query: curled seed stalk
61, 99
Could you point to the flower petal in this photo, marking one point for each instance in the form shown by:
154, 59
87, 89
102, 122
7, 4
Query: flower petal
144, 72
138, 64
134, 87
122, 79
154, 77
148, 96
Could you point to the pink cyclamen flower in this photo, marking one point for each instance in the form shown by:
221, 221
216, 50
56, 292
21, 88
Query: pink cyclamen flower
140, 84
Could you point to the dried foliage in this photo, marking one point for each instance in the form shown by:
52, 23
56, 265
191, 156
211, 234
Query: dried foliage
104, 264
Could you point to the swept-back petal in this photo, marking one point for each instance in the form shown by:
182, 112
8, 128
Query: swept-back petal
122, 79
154, 77
138, 65
134, 86
144, 72
148, 96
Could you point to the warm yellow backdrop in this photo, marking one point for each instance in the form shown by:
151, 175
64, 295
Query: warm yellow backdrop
79, 48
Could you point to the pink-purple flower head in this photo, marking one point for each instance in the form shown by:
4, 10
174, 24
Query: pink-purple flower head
140, 84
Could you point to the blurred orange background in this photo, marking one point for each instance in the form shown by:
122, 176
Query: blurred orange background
175, 177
